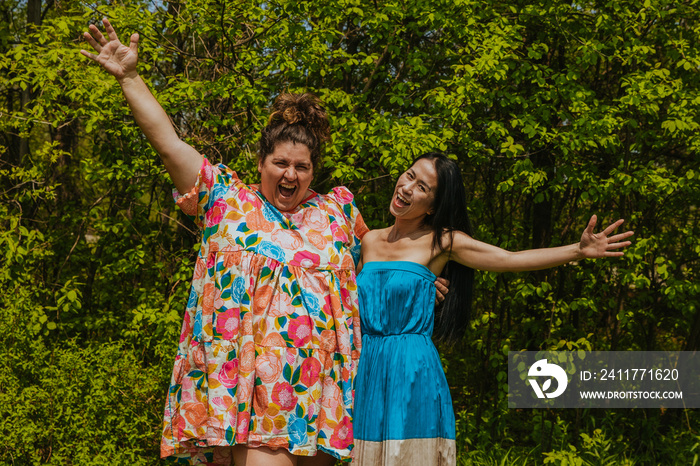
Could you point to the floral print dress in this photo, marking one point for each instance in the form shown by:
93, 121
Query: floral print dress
270, 339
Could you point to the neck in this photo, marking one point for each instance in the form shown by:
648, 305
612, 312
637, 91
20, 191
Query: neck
406, 228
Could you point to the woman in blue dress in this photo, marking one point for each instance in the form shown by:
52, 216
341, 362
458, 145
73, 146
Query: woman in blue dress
403, 410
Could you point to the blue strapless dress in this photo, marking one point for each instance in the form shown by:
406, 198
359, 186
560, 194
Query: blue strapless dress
403, 411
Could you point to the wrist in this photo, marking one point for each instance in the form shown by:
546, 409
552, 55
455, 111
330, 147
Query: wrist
128, 78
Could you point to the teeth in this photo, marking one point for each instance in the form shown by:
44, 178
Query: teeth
402, 199
287, 186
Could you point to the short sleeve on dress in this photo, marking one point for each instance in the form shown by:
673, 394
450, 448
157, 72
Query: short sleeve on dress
346, 200
270, 339
213, 182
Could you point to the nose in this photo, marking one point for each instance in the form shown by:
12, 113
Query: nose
290, 173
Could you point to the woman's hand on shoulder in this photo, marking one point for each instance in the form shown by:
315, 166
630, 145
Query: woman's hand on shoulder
442, 287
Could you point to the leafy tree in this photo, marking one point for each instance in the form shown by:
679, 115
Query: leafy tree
554, 110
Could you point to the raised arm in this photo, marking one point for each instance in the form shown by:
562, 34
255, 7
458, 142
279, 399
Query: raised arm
181, 160
482, 256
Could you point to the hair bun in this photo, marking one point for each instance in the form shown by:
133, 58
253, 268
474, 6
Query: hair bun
305, 109
292, 115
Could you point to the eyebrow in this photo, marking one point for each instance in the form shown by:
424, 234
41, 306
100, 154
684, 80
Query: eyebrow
281, 158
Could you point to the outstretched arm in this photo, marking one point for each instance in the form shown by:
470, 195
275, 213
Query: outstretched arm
482, 256
181, 160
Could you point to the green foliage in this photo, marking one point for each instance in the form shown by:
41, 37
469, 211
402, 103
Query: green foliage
554, 111
93, 404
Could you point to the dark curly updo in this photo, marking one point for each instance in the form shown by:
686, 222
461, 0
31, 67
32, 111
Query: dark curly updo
297, 118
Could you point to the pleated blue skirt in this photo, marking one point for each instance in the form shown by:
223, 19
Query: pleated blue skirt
403, 411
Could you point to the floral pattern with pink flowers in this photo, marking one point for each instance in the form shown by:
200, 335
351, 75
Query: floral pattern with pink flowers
283, 396
270, 337
310, 369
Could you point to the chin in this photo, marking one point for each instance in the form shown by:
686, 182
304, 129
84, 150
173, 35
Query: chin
284, 206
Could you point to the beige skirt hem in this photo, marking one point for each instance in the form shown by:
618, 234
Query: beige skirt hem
418, 451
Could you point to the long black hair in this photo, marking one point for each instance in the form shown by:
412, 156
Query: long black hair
450, 215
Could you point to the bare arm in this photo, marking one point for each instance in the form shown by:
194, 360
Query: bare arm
475, 254
181, 160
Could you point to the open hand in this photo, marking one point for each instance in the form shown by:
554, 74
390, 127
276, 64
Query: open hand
116, 58
596, 245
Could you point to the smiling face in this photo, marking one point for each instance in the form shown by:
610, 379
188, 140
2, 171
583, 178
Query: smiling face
286, 174
414, 194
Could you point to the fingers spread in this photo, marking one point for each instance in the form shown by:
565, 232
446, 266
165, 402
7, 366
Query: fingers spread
93, 43
619, 245
614, 254
591, 224
612, 227
620, 236
134, 42
97, 34
111, 33
89, 55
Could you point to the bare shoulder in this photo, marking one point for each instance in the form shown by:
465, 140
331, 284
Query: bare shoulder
372, 242
375, 235
455, 238
371, 234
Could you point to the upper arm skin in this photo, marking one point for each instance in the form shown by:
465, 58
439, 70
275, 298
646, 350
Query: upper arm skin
476, 254
181, 160
482, 256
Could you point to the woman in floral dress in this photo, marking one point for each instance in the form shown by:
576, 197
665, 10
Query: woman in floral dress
270, 339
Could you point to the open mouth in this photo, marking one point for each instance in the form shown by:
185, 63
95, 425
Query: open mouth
286, 190
401, 201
